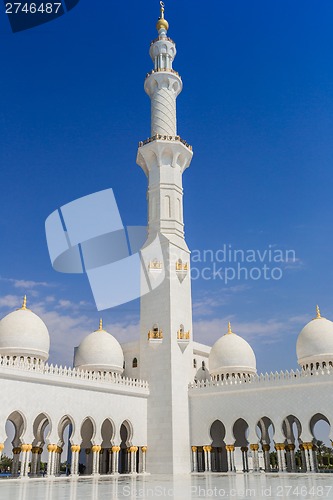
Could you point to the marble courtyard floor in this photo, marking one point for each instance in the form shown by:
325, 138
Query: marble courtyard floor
195, 486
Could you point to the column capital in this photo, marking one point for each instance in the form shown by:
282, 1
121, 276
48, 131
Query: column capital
75, 448
291, 446
37, 450
96, 448
26, 447
194, 449
144, 449
115, 449
51, 447
230, 447
280, 446
244, 449
254, 447
17, 450
133, 449
307, 446
266, 447
1, 447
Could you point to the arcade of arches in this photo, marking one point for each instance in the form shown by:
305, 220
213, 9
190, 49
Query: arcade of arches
85, 458
290, 453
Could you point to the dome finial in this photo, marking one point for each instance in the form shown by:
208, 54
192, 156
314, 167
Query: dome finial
24, 303
318, 315
229, 328
162, 23
100, 325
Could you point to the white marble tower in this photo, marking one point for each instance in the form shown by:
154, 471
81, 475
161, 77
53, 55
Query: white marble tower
166, 349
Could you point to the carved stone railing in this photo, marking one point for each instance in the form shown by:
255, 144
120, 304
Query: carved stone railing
159, 137
70, 373
155, 335
264, 379
161, 39
162, 70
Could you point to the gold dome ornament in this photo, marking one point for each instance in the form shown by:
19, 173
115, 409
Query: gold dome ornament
162, 23
318, 315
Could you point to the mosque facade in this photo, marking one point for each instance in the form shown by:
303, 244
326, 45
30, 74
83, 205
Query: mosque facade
163, 403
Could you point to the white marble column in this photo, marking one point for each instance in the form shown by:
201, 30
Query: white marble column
95, 459
255, 457
133, 450
51, 448
231, 457
194, 459
75, 448
25, 459
144, 451
244, 451
115, 459
36, 452
280, 447
16, 460
266, 448
292, 457
208, 461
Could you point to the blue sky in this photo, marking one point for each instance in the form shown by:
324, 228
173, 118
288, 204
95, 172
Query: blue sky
257, 106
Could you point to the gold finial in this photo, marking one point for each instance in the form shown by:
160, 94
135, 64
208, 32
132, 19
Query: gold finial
162, 23
229, 328
318, 315
24, 304
100, 325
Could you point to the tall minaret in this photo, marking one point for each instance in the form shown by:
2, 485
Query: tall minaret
166, 348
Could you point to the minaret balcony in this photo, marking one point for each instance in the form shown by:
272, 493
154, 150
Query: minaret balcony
159, 137
155, 265
183, 336
162, 38
162, 70
155, 336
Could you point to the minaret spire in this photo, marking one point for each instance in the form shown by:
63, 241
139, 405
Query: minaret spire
168, 308
162, 25
24, 303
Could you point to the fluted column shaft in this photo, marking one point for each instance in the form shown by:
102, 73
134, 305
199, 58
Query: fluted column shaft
75, 448
144, 451
194, 459
25, 458
266, 448
255, 457
231, 457
280, 447
115, 459
95, 460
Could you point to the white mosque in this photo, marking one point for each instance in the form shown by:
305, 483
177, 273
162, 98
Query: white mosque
163, 403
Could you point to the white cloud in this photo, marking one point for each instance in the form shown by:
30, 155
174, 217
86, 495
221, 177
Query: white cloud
208, 301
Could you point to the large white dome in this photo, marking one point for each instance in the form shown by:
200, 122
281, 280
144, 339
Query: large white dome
99, 351
231, 354
315, 342
23, 333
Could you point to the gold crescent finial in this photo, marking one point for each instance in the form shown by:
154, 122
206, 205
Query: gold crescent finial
162, 9
24, 304
229, 328
100, 325
162, 23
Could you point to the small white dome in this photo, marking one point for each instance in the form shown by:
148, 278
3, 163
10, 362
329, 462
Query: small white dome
231, 354
315, 342
99, 351
23, 333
